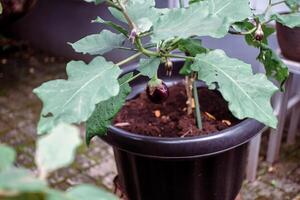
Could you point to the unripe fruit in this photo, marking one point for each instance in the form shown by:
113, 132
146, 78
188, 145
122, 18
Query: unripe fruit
157, 91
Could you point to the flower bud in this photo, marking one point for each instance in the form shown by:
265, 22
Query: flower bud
169, 67
259, 33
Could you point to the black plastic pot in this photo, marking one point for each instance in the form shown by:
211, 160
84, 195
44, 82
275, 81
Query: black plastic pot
207, 167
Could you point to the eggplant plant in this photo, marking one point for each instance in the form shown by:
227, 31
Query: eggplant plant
95, 92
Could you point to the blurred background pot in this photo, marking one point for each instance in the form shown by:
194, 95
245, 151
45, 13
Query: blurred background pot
53, 23
289, 41
14, 10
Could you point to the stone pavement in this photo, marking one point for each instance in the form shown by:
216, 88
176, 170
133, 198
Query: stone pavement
22, 69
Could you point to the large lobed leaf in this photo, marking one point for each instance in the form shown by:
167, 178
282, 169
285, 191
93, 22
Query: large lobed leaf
98, 44
74, 100
20, 180
53, 152
248, 95
293, 4
7, 157
204, 18
149, 66
105, 111
291, 20
142, 12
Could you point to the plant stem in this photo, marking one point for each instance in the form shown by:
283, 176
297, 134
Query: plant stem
123, 10
129, 49
132, 78
112, 4
271, 5
140, 47
197, 105
134, 56
189, 94
277, 3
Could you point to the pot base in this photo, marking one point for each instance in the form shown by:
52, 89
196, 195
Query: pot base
119, 191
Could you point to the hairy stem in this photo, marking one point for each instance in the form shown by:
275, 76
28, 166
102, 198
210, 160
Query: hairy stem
140, 47
197, 105
134, 56
123, 10
132, 78
188, 89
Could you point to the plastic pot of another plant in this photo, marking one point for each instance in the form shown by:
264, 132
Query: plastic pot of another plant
210, 167
289, 41
54, 23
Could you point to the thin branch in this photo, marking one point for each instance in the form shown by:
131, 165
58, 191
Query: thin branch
132, 78
277, 3
127, 48
123, 10
134, 56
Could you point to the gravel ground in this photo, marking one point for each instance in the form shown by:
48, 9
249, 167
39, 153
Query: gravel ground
23, 68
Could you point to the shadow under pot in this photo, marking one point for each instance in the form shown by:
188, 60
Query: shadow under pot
210, 167
289, 41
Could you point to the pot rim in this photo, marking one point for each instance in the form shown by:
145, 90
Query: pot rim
189, 147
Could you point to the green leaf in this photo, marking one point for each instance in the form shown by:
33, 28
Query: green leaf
89, 192
105, 111
111, 24
291, 20
293, 4
206, 18
7, 157
142, 12
149, 66
1, 8
191, 46
98, 44
273, 64
248, 95
243, 26
57, 149
20, 180
186, 68
95, 1
74, 100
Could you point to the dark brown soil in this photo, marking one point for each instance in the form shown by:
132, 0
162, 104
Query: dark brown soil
170, 119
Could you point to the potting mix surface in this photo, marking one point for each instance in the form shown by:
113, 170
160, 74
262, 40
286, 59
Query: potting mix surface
170, 119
